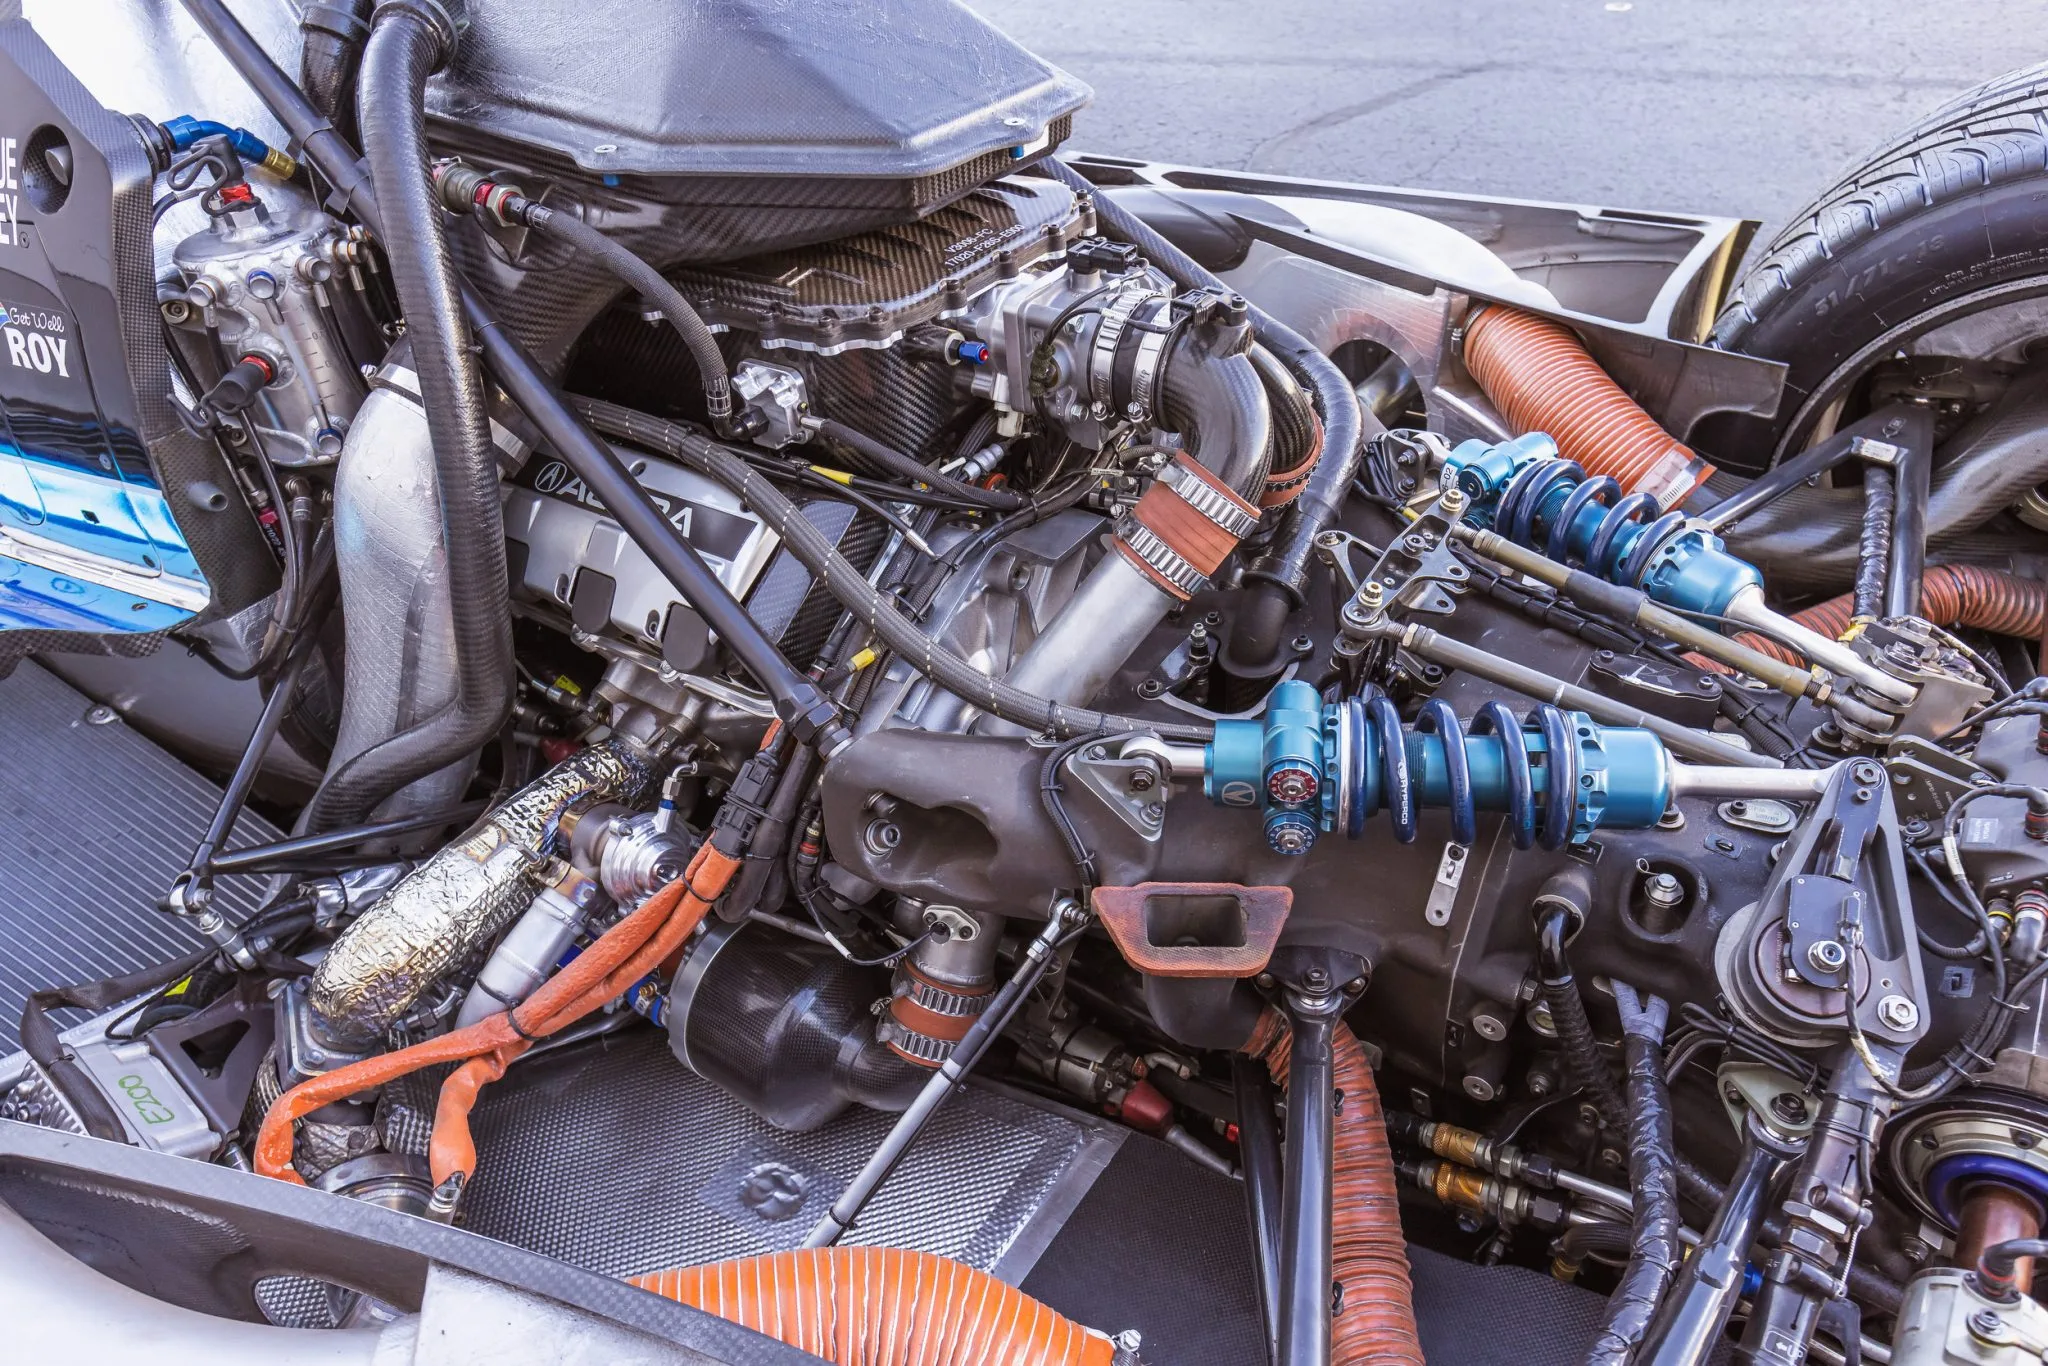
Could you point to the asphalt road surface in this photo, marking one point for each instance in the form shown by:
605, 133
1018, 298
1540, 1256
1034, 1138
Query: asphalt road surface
1743, 107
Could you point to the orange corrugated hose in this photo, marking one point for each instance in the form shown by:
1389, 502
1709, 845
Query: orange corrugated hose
1368, 1254
621, 956
1950, 595
1538, 374
874, 1306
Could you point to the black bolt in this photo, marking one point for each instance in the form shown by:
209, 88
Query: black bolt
1789, 1106
1316, 978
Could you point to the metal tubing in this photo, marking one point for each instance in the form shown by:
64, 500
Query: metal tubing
1747, 608
1306, 1221
1689, 1323
1038, 956
1638, 607
1082, 647
1456, 654
258, 857
1816, 460
1786, 784
1258, 1146
236, 796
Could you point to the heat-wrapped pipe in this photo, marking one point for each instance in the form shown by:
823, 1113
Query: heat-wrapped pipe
1539, 375
1652, 1179
624, 954
404, 49
1874, 545
452, 904
873, 1306
1375, 1315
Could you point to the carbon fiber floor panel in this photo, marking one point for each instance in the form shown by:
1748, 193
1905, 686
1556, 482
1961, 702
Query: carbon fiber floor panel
95, 822
617, 1158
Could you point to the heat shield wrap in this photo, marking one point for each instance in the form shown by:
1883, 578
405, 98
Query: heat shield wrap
460, 898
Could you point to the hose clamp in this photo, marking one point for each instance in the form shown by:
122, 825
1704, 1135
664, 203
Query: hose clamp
1172, 570
1110, 331
1211, 499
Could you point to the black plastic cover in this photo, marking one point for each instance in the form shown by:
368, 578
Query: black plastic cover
876, 89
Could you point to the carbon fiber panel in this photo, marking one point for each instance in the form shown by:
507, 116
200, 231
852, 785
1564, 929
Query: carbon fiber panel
615, 1157
95, 822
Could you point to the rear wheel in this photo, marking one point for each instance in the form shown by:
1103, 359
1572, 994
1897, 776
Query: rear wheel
1924, 272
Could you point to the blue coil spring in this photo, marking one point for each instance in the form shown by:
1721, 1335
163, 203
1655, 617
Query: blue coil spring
1371, 721
1611, 555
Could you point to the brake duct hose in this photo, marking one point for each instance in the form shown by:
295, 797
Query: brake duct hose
1259, 632
877, 1306
1652, 1178
1374, 1318
1538, 373
816, 553
406, 47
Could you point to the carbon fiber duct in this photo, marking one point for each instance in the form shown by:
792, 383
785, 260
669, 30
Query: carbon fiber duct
381, 965
400, 616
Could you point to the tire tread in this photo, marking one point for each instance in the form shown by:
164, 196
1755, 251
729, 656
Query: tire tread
1988, 136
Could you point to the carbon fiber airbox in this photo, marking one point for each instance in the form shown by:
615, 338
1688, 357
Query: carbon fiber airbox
713, 131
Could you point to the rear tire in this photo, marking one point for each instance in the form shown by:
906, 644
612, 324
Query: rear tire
1947, 219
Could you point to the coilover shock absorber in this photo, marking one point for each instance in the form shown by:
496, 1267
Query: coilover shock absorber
1527, 493
1314, 766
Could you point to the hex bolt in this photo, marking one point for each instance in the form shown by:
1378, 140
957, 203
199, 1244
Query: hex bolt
1789, 1106
1828, 955
1664, 891
1141, 780
1898, 1012
1987, 1325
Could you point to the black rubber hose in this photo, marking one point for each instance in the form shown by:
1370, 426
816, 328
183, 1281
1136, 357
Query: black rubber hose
638, 274
1806, 539
895, 464
1652, 1179
404, 49
817, 553
1218, 405
1874, 547
1556, 912
330, 51
1280, 577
